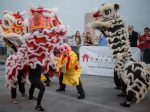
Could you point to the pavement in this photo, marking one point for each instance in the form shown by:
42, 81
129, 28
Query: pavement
100, 97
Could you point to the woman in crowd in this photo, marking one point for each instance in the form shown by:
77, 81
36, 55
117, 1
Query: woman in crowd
77, 39
76, 43
88, 40
102, 40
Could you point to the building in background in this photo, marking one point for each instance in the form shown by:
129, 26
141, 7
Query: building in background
88, 18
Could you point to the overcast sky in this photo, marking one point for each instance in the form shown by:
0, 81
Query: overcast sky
71, 12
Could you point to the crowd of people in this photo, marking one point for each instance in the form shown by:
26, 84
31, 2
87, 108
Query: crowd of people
141, 41
87, 39
136, 39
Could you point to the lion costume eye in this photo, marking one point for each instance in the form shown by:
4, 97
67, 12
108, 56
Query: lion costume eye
6, 23
65, 47
19, 22
107, 12
61, 49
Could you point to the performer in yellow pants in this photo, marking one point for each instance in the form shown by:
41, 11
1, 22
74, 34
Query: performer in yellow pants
70, 70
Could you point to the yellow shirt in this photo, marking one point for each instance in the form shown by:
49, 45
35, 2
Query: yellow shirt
72, 75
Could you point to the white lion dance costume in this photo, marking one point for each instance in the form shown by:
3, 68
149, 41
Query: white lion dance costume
132, 77
45, 32
13, 27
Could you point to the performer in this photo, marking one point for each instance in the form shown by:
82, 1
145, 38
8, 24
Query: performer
34, 55
52, 68
35, 79
70, 71
132, 77
12, 29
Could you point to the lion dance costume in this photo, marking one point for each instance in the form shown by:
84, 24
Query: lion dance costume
34, 56
13, 27
45, 33
131, 76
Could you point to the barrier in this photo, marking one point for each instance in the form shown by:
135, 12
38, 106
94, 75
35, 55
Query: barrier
98, 60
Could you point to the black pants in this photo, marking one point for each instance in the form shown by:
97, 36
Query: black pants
123, 86
146, 56
47, 78
130, 96
20, 84
63, 86
34, 77
117, 80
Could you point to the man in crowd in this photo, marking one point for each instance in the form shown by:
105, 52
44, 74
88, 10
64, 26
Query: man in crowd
133, 36
144, 40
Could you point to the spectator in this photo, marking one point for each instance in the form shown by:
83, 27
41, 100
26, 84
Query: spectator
76, 43
88, 40
77, 39
102, 40
144, 40
133, 36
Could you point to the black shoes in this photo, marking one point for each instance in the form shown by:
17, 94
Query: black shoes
125, 104
39, 108
47, 84
81, 96
60, 89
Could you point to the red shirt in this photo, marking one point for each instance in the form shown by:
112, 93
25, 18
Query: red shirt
146, 44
